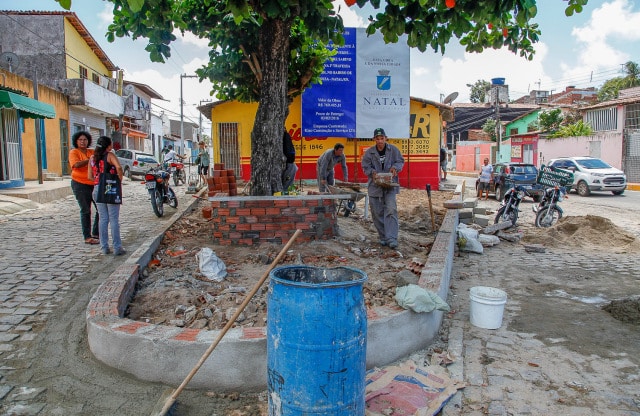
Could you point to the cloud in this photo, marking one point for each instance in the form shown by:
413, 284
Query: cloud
454, 74
610, 23
349, 15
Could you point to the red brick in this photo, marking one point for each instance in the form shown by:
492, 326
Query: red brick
258, 211
273, 211
257, 227
187, 335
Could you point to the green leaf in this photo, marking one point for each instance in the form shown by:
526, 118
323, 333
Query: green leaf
135, 5
65, 4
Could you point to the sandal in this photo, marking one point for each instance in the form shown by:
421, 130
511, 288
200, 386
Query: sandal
91, 241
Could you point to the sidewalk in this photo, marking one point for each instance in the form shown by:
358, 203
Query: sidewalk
32, 195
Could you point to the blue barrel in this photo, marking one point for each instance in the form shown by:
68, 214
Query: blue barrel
497, 81
316, 341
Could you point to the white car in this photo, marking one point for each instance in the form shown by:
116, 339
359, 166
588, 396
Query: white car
592, 174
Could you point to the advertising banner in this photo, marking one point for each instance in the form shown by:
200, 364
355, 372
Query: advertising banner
383, 73
365, 86
329, 109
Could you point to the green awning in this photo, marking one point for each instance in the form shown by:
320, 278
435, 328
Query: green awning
28, 107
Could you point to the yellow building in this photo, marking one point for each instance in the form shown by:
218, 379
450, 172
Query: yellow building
232, 123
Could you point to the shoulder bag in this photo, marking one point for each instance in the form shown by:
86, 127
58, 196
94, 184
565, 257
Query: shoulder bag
109, 185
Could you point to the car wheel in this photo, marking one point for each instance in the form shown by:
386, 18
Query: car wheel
617, 192
583, 189
499, 193
127, 172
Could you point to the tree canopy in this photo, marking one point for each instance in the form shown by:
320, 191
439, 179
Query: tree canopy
478, 91
271, 50
612, 87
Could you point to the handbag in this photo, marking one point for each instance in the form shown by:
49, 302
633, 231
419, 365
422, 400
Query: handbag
109, 185
197, 161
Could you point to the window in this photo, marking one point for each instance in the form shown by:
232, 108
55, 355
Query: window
513, 132
95, 78
83, 72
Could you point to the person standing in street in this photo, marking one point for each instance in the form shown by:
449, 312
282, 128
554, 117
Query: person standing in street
486, 175
106, 173
203, 162
290, 169
82, 186
443, 162
325, 166
383, 158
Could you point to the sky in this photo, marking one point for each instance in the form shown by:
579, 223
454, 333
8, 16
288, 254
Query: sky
583, 50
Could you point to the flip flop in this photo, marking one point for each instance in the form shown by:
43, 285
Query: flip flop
91, 241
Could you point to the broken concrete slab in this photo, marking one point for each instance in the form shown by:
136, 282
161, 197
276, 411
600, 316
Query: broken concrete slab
492, 229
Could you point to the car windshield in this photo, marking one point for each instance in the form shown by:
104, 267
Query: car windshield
592, 164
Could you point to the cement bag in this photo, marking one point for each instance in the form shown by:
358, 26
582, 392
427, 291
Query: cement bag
488, 240
419, 300
468, 239
210, 265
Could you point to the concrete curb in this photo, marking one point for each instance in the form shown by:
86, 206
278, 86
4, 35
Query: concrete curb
166, 354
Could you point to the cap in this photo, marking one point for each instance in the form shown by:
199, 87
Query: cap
378, 132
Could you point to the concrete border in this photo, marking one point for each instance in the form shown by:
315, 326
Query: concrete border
166, 354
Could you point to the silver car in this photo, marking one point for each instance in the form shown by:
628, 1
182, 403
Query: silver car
135, 162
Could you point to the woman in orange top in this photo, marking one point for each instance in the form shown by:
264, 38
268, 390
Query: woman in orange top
83, 187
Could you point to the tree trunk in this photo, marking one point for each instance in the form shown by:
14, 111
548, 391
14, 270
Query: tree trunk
266, 137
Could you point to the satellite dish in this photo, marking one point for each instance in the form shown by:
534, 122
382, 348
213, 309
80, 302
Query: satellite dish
9, 60
449, 98
128, 90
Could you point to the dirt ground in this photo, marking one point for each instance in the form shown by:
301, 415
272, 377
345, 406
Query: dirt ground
172, 291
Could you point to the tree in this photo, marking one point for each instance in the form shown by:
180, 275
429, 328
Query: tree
612, 87
267, 50
479, 91
578, 128
549, 121
489, 127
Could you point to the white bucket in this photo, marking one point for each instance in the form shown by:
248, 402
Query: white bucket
487, 306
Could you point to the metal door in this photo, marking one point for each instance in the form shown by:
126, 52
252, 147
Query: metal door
10, 149
594, 149
64, 147
527, 153
229, 148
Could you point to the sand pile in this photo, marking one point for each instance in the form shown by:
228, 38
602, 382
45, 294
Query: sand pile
589, 232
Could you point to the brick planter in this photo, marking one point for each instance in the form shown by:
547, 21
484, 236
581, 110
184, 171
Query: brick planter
249, 220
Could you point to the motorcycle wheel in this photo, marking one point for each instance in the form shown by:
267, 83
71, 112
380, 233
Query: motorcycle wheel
156, 202
547, 217
172, 199
511, 216
176, 180
182, 177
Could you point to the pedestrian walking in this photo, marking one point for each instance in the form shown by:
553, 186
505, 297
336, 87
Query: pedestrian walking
443, 162
379, 159
203, 161
106, 173
82, 186
486, 175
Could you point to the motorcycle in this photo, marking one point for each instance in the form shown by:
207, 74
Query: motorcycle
509, 207
157, 183
177, 172
548, 212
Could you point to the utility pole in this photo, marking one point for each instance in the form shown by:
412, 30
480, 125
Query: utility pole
200, 105
182, 111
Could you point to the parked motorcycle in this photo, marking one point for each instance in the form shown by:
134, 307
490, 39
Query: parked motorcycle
157, 183
176, 169
509, 207
548, 212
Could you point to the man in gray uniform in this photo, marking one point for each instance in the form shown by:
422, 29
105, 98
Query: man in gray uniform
383, 158
326, 163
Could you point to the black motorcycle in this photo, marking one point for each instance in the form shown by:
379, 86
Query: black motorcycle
509, 207
548, 212
157, 182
